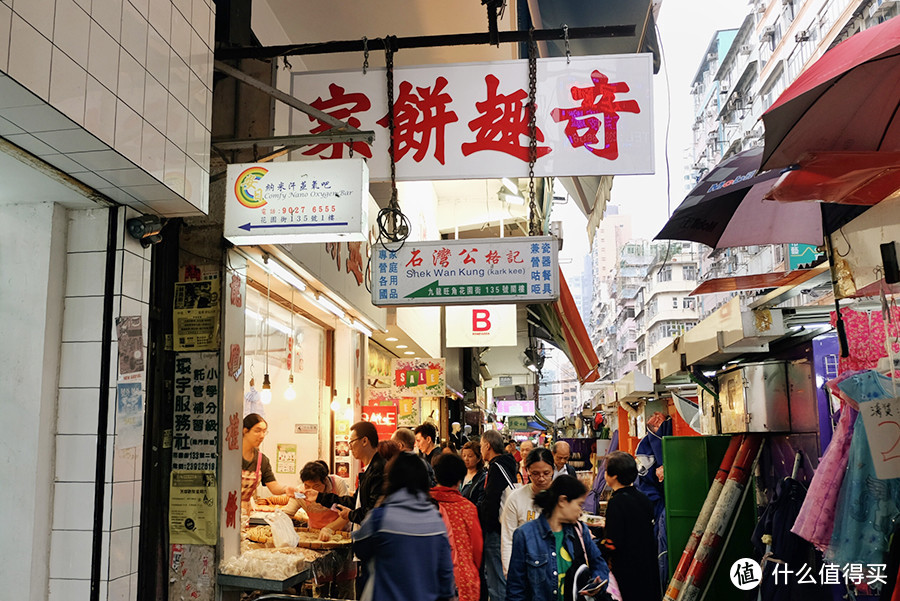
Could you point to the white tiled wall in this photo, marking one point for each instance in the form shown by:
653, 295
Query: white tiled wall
76, 440
112, 90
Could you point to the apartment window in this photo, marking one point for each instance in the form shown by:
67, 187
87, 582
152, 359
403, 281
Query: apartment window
674, 302
688, 302
664, 274
652, 308
689, 272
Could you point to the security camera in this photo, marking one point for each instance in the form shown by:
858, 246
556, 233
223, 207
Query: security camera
145, 228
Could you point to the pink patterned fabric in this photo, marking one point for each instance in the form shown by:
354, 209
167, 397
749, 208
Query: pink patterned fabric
865, 337
815, 522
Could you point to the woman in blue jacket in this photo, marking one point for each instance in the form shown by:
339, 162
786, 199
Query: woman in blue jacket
548, 552
403, 540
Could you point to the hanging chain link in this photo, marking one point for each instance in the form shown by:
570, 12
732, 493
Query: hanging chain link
389, 67
566, 38
532, 132
365, 55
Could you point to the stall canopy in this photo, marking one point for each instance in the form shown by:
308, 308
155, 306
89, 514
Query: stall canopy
561, 325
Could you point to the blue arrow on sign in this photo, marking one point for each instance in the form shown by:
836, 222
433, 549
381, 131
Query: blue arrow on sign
248, 227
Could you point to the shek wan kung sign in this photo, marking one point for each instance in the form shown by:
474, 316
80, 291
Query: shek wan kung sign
470, 121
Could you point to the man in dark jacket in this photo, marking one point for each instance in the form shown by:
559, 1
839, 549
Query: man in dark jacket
501, 475
363, 446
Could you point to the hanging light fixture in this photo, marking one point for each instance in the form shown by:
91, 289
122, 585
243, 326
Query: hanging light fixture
265, 394
289, 392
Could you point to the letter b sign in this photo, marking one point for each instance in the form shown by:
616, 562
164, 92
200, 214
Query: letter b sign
481, 320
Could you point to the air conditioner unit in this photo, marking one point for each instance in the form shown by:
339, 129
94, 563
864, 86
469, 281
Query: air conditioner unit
745, 49
768, 32
801, 36
712, 134
712, 57
787, 2
761, 8
723, 90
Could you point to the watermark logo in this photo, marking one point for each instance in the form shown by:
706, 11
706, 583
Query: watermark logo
745, 574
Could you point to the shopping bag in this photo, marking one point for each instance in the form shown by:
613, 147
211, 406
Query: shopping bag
283, 533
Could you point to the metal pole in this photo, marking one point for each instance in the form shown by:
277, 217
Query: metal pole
431, 41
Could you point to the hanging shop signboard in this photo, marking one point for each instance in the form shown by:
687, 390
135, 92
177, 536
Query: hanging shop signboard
195, 436
453, 272
297, 202
418, 377
470, 121
505, 408
489, 325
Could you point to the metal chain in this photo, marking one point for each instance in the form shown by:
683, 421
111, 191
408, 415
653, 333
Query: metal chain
532, 132
389, 67
365, 55
566, 38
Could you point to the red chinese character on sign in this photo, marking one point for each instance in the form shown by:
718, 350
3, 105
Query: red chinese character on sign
441, 257
236, 291
235, 366
468, 258
340, 106
334, 249
416, 260
231, 432
600, 98
513, 257
492, 257
417, 116
355, 262
231, 509
502, 124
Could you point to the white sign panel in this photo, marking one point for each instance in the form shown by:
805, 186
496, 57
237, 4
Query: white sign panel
470, 121
297, 202
881, 418
464, 272
489, 325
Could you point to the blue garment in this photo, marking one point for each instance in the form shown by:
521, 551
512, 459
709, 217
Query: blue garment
649, 456
865, 505
532, 572
591, 504
404, 543
493, 567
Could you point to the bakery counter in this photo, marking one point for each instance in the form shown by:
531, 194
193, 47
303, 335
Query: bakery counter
280, 570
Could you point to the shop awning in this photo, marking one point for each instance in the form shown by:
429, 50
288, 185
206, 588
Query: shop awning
633, 386
760, 280
562, 322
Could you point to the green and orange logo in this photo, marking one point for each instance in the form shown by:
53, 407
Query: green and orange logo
246, 190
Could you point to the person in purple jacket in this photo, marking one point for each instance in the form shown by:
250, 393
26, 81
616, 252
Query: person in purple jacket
404, 541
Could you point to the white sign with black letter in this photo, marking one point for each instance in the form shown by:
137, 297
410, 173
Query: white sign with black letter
488, 325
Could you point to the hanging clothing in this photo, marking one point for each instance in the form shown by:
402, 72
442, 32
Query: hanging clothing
649, 457
866, 505
592, 503
786, 546
815, 522
865, 337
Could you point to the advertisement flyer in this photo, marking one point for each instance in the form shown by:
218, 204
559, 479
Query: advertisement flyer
196, 316
287, 459
192, 508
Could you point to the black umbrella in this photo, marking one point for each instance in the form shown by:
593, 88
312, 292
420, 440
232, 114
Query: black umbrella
727, 209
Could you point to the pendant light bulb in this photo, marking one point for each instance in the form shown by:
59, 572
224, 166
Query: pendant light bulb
265, 395
289, 393
335, 405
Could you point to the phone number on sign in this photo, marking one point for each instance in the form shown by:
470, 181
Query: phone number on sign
301, 210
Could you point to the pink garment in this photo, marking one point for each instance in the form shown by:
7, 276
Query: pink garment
815, 522
865, 337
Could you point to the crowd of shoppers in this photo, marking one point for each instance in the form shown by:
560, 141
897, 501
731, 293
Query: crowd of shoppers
475, 523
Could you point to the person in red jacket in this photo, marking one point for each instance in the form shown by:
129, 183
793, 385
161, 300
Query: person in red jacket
461, 518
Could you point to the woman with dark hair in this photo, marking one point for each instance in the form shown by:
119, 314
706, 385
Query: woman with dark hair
554, 555
403, 541
472, 487
461, 519
520, 506
255, 467
388, 449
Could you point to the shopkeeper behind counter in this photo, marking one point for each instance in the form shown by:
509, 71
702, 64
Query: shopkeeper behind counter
255, 467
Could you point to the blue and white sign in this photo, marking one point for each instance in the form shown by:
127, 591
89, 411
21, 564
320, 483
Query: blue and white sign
297, 202
473, 271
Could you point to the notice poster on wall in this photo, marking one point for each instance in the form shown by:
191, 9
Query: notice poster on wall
131, 347
195, 431
192, 508
286, 462
196, 316
129, 414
